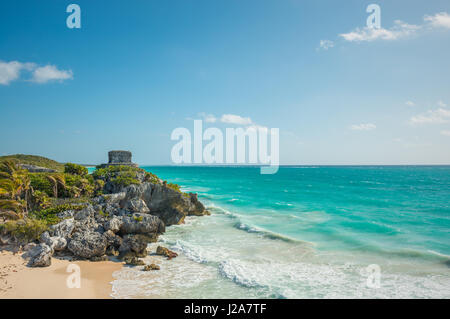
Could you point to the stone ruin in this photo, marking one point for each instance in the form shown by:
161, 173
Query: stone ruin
119, 158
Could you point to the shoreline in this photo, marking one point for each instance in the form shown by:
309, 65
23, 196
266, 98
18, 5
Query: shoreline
19, 281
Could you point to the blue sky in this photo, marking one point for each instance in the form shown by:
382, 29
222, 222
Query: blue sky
136, 70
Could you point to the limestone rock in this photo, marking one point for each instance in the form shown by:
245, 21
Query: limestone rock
136, 205
41, 256
141, 224
163, 251
135, 245
88, 244
151, 267
63, 229
114, 224
134, 261
101, 258
86, 212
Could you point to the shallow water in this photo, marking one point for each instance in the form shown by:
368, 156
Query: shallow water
306, 232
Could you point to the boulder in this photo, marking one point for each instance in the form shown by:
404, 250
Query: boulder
29, 246
163, 251
63, 229
135, 245
88, 244
66, 214
41, 256
136, 205
101, 258
164, 202
85, 213
141, 224
113, 224
55, 242
112, 239
151, 267
134, 261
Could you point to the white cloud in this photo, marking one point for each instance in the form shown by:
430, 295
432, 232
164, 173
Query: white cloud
208, 118
11, 71
438, 116
445, 133
363, 127
438, 20
235, 119
399, 30
48, 73
326, 44
441, 104
410, 103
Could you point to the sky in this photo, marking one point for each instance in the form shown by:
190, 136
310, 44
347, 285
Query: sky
340, 93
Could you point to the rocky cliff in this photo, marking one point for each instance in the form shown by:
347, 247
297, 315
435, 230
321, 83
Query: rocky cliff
120, 223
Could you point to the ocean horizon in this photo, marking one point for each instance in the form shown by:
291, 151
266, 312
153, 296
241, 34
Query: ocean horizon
310, 231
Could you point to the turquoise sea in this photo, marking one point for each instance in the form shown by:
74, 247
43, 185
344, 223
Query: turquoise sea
305, 232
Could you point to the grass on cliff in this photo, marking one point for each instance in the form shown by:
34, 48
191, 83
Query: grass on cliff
34, 160
24, 230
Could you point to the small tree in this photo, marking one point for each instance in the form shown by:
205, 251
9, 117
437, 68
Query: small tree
75, 169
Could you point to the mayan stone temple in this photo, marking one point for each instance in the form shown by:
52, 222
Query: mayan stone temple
119, 158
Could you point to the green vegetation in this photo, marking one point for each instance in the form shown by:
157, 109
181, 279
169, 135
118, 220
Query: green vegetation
121, 175
34, 160
49, 214
175, 187
30, 202
24, 230
102, 213
14, 190
152, 178
75, 169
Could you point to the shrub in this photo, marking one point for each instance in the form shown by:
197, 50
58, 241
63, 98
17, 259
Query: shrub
124, 180
78, 185
40, 200
120, 175
152, 178
40, 182
175, 187
138, 218
75, 169
25, 230
49, 214
98, 187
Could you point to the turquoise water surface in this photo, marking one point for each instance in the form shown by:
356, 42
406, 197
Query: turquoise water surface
305, 232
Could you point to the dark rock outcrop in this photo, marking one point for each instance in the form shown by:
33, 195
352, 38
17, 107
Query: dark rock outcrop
41, 256
120, 224
151, 267
141, 224
163, 251
88, 244
164, 202
134, 261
